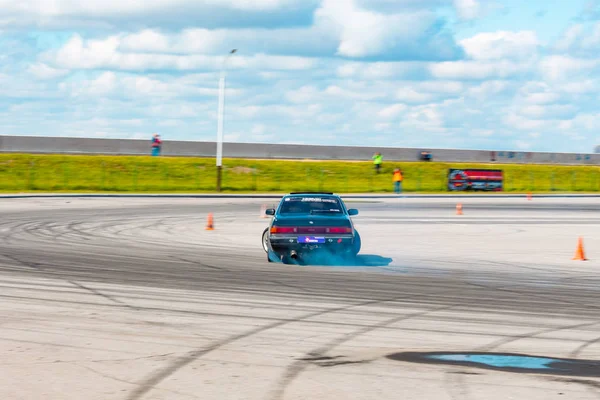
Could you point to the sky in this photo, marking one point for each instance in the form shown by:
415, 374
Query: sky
462, 74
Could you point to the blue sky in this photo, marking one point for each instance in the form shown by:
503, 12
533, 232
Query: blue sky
470, 74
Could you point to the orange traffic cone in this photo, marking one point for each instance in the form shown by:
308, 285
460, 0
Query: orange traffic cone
579, 253
459, 209
529, 196
209, 223
263, 211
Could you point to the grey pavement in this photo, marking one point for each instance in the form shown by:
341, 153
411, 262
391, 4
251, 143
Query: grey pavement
133, 299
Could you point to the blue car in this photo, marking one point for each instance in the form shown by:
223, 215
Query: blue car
309, 223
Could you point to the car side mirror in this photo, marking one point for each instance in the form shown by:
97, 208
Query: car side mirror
270, 211
353, 211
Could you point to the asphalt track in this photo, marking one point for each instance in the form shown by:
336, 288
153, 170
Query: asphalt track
133, 299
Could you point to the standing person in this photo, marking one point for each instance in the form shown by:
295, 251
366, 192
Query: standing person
377, 160
398, 178
156, 144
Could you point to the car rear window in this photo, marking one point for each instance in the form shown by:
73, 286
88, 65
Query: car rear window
311, 205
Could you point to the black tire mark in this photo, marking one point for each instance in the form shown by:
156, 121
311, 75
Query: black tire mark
461, 390
575, 353
296, 368
103, 295
510, 339
114, 378
149, 383
202, 264
532, 334
456, 385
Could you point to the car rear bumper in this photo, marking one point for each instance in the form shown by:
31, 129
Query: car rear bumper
332, 243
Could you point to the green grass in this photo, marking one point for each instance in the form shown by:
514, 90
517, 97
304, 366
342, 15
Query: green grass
65, 173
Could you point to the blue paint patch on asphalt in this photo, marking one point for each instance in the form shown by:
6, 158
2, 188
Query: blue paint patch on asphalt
499, 360
505, 362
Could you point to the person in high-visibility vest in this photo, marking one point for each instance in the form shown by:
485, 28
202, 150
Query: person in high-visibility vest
377, 160
398, 178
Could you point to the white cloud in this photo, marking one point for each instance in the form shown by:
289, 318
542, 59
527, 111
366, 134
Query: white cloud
569, 38
365, 33
148, 40
378, 70
305, 94
522, 144
556, 111
481, 132
446, 87
514, 120
362, 33
98, 54
340, 92
392, 111
109, 7
477, 70
579, 87
487, 89
127, 86
102, 85
537, 92
501, 45
467, 9
426, 118
303, 112
45, 72
409, 95
382, 126
564, 67
314, 40
579, 40
60, 13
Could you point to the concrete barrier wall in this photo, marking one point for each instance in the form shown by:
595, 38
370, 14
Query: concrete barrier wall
64, 145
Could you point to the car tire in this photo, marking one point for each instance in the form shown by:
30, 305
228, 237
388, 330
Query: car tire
265, 239
357, 244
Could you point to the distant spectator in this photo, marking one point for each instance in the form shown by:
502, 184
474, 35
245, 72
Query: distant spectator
156, 144
425, 156
377, 160
398, 178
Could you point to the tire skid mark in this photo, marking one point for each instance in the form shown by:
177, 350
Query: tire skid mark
29, 264
212, 314
200, 263
140, 241
296, 368
528, 335
96, 292
153, 380
48, 229
11, 230
575, 353
103, 295
214, 267
456, 385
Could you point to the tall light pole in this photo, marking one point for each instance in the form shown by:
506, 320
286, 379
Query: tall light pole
220, 121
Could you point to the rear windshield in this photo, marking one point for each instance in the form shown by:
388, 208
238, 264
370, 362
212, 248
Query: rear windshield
311, 205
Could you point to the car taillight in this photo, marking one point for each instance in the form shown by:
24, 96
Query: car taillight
283, 229
342, 229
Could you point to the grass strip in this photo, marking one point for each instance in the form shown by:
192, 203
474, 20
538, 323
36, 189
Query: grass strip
141, 174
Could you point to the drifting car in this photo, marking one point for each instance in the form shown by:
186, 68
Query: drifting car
307, 223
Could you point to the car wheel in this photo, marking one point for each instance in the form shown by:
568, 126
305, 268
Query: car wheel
357, 243
265, 240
